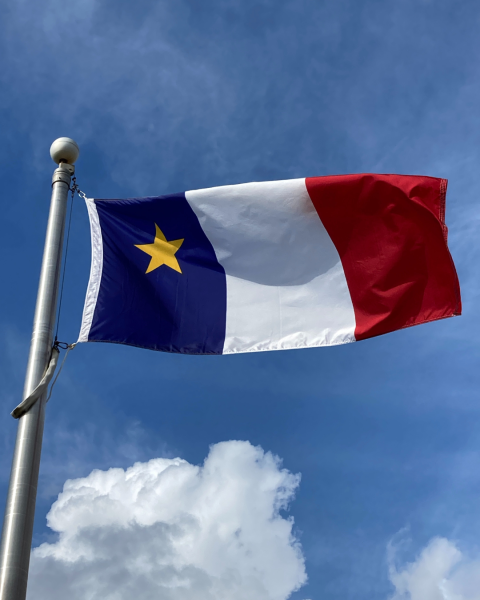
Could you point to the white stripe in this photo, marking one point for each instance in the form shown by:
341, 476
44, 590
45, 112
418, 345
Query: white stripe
95, 271
286, 287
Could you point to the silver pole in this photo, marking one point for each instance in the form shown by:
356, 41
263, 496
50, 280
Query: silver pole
20, 509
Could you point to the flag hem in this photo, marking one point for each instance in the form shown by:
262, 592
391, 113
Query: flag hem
96, 269
305, 347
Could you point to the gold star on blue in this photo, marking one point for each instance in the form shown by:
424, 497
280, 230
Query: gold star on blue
162, 252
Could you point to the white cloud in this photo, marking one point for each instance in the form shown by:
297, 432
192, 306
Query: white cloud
171, 530
441, 572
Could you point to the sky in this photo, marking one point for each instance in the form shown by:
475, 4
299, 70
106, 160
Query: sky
319, 474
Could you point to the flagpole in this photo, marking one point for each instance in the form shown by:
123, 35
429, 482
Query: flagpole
20, 508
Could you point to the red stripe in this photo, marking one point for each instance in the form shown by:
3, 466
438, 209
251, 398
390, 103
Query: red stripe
390, 234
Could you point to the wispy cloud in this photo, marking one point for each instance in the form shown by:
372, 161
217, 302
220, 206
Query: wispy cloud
441, 571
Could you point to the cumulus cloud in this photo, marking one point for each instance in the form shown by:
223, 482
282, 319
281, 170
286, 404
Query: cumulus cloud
440, 572
166, 529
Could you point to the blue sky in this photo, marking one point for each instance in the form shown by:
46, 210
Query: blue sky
164, 97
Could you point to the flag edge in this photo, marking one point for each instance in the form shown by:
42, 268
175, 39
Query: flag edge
96, 269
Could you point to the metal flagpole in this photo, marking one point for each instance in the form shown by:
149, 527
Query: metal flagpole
20, 509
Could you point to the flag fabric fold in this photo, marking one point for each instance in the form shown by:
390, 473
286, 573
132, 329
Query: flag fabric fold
268, 266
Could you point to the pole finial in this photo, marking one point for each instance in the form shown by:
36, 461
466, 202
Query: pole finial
64, 149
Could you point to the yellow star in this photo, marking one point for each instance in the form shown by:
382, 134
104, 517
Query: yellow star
161, 251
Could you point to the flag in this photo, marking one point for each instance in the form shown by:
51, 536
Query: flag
267, 266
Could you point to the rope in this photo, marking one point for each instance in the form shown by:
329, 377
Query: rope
68, 348
42, 387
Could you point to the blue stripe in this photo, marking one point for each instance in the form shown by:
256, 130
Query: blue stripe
161, 310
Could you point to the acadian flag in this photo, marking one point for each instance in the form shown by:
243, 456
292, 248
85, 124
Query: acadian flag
268, 266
